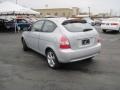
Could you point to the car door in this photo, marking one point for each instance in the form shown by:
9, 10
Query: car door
46, 36
35, 34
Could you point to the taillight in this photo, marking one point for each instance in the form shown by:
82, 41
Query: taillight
114, 23
64, 43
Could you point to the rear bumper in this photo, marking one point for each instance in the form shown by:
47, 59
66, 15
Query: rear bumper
69, 55
116, 28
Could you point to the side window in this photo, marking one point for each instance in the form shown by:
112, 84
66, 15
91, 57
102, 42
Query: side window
37, 26
49, 26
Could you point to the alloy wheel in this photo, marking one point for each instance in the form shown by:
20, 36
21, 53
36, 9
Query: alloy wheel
51, 59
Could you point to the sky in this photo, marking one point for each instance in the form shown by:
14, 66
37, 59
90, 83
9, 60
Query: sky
97, 6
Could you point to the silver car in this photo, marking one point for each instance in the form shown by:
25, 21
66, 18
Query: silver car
62, 40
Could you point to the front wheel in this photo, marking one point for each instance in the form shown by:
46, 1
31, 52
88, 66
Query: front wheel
25, 47
52, 60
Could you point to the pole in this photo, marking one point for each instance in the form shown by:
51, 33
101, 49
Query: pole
16, 1
89, 11
15, 21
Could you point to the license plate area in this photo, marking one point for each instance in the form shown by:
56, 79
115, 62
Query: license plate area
86, 42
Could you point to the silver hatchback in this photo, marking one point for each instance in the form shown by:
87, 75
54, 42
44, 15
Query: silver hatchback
62, 40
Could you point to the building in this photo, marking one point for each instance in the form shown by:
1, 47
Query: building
60, 12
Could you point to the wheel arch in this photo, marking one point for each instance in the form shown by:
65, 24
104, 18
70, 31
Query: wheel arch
22, 38
47, 49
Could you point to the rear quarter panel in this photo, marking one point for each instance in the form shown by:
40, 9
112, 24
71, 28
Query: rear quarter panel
49, 40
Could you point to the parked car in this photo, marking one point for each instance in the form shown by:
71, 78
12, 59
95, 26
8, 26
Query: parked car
98, 22
62, 40
21, 24
2, 24
111, 24
89, 20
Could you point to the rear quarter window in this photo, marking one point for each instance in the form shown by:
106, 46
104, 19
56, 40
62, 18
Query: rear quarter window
49, 26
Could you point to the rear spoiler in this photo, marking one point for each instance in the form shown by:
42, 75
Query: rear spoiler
74, 21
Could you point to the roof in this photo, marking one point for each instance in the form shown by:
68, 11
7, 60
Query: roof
56, 20
9, 8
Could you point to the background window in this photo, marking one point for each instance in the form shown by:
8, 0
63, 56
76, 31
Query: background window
63, 14
41, 13
48, 13
56, 14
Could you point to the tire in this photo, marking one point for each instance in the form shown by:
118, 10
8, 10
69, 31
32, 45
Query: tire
117, 31
25, 47
91, 58
104, 30
52, 59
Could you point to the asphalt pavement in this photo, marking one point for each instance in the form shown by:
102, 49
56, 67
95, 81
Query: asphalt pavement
21, 70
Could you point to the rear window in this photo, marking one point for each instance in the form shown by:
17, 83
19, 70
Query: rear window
77, 26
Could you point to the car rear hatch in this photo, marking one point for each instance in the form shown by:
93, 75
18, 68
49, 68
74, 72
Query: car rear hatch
110, 23
80, 34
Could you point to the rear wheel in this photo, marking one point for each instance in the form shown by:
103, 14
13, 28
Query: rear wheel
104, 30
89, 59
52, 59
25, 47
117, 31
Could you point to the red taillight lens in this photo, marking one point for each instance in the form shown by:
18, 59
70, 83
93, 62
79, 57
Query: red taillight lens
64, 43
114, 23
